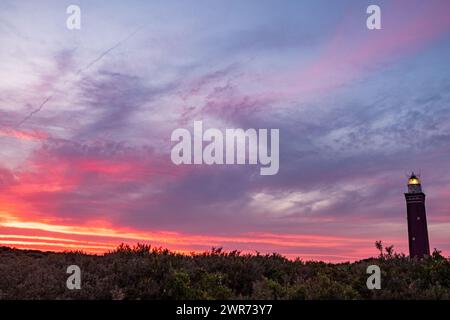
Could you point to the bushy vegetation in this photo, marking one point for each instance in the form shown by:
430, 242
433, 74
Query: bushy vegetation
143, 272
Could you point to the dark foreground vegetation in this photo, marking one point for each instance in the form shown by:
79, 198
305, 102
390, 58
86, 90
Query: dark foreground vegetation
142, 272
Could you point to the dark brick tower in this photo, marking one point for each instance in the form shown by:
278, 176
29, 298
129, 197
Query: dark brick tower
417, 219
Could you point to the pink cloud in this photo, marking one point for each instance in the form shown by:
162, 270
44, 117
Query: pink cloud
23, 135
353, 52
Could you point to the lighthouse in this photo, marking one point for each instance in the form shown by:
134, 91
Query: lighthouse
417, 219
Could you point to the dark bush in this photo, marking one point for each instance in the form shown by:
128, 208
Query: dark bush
144, 272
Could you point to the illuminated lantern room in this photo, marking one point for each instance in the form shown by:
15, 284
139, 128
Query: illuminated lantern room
413, 180
414, 185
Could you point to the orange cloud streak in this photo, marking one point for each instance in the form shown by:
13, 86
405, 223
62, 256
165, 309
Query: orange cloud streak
103, 239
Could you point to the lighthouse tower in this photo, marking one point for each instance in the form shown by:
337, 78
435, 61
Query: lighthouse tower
417, 219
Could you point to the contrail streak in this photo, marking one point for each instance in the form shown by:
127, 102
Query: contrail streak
80, 71
31, 114
102, 55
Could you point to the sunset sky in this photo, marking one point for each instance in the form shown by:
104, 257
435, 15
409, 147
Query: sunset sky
86, 118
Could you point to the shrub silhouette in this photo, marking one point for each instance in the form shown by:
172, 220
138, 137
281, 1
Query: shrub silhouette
145, 272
